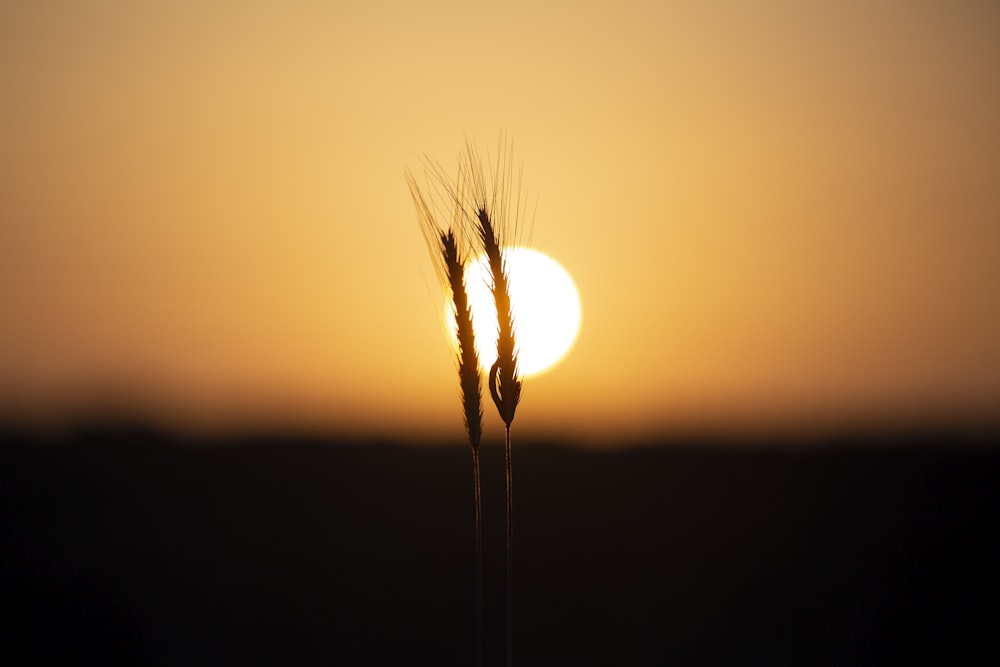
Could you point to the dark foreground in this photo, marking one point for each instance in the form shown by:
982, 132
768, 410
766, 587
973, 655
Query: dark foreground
133, 550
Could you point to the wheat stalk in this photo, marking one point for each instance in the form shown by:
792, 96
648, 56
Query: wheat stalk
448, 259
505, 388
491, 204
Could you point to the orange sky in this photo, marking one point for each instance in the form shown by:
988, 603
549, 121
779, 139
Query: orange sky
777, 217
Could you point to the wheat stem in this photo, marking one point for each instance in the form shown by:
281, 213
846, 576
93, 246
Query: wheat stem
479, 560
510, 552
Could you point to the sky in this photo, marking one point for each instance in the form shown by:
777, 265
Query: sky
780, 217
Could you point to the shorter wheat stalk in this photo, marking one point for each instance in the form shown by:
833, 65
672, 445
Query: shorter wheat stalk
448, 256
468, 372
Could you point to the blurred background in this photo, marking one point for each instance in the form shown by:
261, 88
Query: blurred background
780, 217
221, 340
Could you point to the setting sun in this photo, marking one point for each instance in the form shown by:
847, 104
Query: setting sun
546, 308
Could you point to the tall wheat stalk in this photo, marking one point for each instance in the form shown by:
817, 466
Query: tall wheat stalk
448, 257
505, 388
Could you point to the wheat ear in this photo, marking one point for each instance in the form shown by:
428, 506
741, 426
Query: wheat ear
468, 359
505, 383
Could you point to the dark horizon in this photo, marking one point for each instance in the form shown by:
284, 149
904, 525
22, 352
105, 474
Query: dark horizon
116, 423
129, 548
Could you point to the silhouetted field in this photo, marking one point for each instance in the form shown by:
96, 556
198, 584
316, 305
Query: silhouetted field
128, 548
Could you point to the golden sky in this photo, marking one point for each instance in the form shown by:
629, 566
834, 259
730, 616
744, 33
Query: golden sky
779, 216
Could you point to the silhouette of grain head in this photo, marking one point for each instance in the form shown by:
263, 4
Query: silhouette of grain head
450, 265
505, 383
492, 215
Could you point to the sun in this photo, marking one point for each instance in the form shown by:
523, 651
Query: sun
545, 305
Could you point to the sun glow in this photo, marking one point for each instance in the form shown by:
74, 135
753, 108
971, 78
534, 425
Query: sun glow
545, 304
